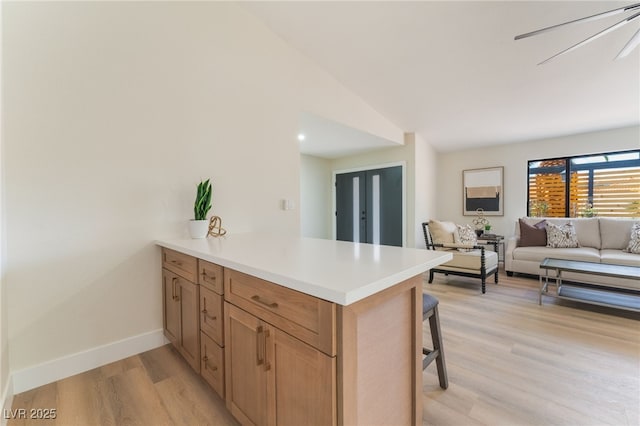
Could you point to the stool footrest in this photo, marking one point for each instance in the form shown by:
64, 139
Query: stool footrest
430, 356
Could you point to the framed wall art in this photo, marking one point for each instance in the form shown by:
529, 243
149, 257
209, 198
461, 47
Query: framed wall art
483, 190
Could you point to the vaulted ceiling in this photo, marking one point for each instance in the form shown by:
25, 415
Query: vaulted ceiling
452, 72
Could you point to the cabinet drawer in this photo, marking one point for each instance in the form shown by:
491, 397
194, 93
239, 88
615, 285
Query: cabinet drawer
210, 276
211, 314
179, 263
212, 364
308, 318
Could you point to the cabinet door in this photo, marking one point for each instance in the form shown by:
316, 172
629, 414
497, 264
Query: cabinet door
171, 307
301, 382
189, 322
245, 380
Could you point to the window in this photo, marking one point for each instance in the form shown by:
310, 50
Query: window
590, 185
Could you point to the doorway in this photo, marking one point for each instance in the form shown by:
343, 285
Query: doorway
369, 206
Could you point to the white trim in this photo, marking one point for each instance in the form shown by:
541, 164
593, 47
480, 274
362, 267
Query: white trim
7, 401
334, 228
51, 371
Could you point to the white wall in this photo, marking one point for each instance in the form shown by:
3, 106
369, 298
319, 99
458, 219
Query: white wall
315, 197
514, 159
382, 157
113, 111
426, 192
4, 341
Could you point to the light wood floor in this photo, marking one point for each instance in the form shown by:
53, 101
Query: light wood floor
510, 362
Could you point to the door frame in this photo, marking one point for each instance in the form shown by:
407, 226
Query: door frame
403, 164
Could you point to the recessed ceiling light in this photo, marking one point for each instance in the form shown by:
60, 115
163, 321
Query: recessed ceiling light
300, 137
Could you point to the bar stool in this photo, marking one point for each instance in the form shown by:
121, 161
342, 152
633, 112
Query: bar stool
430, 310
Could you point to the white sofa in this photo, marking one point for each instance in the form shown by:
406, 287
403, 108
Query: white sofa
601, 240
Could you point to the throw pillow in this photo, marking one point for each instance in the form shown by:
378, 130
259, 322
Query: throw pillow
563, 236
634, 242
466, 235
533, 235
442, 232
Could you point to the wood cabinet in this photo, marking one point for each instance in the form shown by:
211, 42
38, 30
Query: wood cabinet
273, 378
192, 294
301, 382
280, 352
210, 277
283, 357
181, 316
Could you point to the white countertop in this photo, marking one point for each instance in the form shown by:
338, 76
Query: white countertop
337, 271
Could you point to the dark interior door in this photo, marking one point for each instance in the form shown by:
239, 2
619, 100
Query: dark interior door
351, 207
369, 206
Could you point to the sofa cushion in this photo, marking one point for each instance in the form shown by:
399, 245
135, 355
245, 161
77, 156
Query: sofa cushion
588, 231
529, 221
471, 260
538, 254
615, 233
587, 228
443, 232
619, 257
533, 235
563, 236
634, 241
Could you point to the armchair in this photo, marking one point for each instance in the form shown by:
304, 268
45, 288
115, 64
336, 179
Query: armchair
474, 261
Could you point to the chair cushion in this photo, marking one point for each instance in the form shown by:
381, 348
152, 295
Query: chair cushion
466, 235
471, 260
443, 232
428, 302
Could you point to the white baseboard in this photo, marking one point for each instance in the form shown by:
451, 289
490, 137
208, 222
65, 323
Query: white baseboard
7, 400
51, 371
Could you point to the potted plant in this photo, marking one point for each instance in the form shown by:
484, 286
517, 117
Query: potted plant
199, 225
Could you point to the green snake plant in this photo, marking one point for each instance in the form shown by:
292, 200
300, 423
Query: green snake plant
203, 201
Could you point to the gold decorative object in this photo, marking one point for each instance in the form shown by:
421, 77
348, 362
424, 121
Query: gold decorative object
215, 227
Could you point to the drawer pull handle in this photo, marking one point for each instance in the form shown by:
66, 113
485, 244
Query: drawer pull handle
206, 366
259, 356
211, 317
272, 305
174, 294
176, 262
211, 277
267, 364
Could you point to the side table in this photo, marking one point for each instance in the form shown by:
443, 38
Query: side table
497, 241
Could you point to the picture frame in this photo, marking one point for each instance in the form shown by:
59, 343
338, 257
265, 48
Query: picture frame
483, 190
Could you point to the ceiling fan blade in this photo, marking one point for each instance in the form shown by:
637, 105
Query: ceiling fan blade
631, 44
593, 37
612, 12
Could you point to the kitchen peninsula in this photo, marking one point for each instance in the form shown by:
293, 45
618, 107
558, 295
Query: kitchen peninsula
300, 331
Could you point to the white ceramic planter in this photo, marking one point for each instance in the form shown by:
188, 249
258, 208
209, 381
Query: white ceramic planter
198, 228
